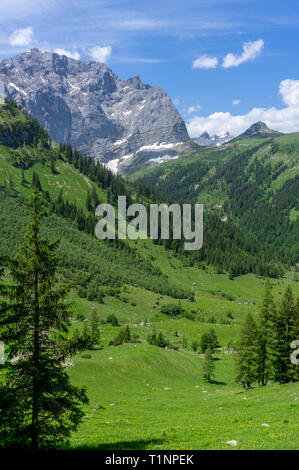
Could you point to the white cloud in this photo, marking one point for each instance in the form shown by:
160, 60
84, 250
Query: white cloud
205, 62
289, 90
284, 120
236, 102
250, 51
21, 37
100, 54
71, 55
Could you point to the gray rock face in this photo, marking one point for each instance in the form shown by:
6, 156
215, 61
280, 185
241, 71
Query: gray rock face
85, 104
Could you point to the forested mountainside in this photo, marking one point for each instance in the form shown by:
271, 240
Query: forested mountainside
252, 182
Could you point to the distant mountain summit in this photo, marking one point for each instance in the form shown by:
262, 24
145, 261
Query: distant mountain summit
257, 130
85, 104
215, 141
260, 130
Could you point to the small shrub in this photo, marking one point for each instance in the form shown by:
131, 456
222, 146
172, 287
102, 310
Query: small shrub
82, 292
172, 310
112, 319
80, 317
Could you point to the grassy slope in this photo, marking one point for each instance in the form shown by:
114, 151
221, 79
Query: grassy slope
71, 181
156, 399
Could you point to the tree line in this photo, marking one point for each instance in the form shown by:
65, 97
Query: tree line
264, 345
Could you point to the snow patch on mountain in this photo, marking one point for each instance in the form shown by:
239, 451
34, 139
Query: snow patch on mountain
163, 159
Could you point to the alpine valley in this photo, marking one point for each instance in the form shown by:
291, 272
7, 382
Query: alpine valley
172, 343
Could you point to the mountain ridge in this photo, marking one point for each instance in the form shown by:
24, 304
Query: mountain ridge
213, 141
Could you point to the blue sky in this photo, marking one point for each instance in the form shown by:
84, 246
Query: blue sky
225, 63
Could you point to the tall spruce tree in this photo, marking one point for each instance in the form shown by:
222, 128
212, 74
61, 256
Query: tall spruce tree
282, 326
247, 353
94, 328
264, 336
39, 407
208, 367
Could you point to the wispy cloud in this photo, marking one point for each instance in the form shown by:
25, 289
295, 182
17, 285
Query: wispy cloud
192, 109
250, 51
205, 62
139, 60
140, 24
21, 37
284, 120
236, 102
21, 9
100, 54
72, 55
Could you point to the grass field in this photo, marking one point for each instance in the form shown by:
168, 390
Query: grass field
145, 397
150, 398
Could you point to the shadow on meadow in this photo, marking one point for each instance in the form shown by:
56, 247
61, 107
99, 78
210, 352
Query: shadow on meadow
217, 382
142, 444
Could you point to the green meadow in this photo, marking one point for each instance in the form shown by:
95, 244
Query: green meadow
145, 397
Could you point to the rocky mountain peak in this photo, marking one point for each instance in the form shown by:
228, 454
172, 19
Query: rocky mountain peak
85, 104
259, 129
205, 135
258, 126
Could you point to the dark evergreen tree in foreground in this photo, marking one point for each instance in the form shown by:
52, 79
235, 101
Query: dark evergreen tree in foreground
39, 407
